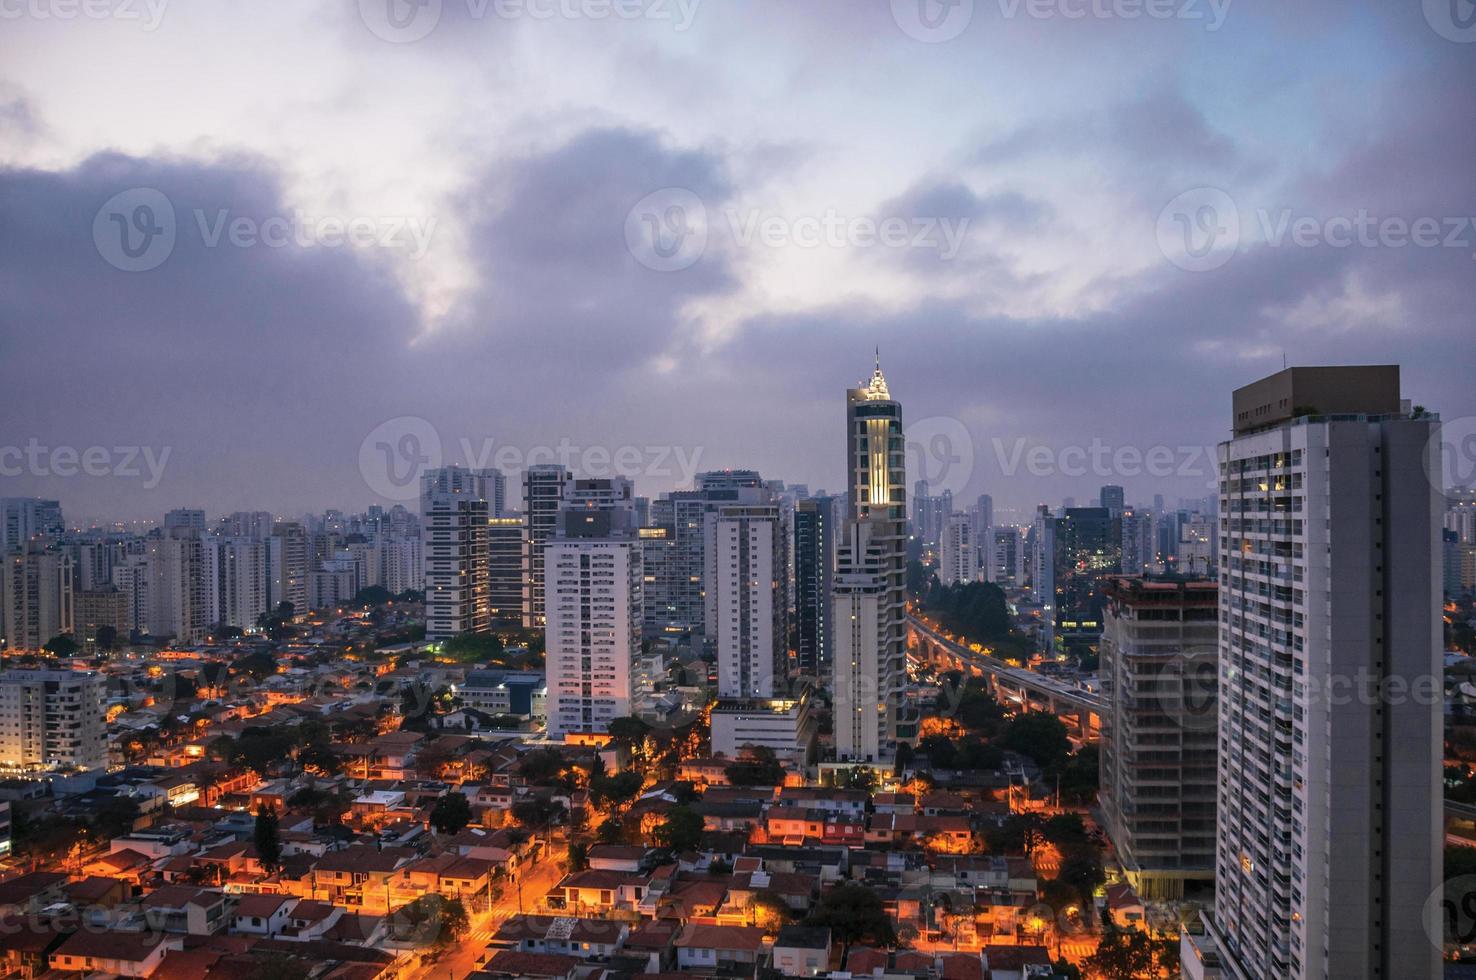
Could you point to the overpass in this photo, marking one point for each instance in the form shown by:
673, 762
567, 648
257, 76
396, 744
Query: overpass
1023, 688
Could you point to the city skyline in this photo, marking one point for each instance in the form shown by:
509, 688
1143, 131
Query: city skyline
1061, 311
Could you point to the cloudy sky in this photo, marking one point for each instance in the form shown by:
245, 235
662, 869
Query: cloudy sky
273, 255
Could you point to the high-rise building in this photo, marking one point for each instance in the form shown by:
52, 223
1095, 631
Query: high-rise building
36, 594
1112, 498
957, 553
1158, 779
684, 516
505, 568
746, 619
1329, 810
24, 519
454, 515
1088, 549
184, 519
543, 495
594, 610
289, 567
876, 467
1005, 559
176, 586
814, 566
1137, 541
862, 630
101, 609
52, 719
235, 571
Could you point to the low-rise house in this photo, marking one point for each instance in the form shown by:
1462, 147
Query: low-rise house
802, 951
358, 877
1124, 906
531, 966
183, 909
26, 945
583, 938
616, 857
123, 954
703, 947
262, 915
600, 890
310, 920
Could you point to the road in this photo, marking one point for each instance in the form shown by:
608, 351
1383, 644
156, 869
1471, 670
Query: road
464, 958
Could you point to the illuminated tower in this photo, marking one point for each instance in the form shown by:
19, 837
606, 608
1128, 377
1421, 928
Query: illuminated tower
876, 467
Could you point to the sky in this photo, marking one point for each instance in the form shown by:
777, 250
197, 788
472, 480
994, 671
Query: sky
282, 255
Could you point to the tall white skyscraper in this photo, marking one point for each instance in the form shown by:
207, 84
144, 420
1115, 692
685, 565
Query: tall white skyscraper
746, 615
1004, 557
1329, 812
593, 614
861, 630
957, 554
876, 466
454, 510
235, 571
289, 567
176, 586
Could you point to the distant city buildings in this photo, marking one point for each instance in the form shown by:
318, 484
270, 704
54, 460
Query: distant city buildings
454, 514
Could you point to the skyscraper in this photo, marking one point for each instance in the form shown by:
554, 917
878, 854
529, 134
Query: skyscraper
860, 686
543, 495
1158, 776
746, 617
957, 551
876, 467
36, 595
593, 610
505, 568
1112, 498
454, 513
23, 519
1329, 822
814, 565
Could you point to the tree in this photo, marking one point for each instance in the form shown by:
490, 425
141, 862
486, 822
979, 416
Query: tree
61, 646
681, 831
854, 914
610, 832
1082, 870
759, 768
116, 817
631, 731
536, 811
106, 639
471, 647
431, 921
451, 813
541, 766
769, 910
372, 595
617, 789
578, 856
1040, 736
861, 777
267, 838
1122, 955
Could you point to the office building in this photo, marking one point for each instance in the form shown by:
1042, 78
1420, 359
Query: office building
1329, 812
454, 526
784, 725
876, 464
505, 569
94, 611
1112, 499
543, 495
814, 567
593, 616
1138, 553
1159, 667
1005, 559
51, 719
